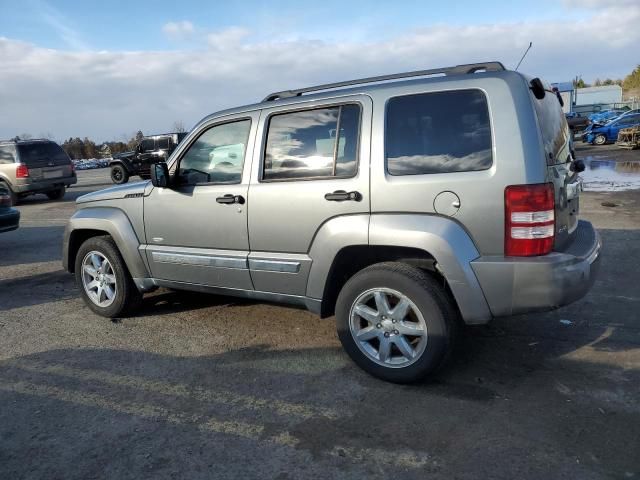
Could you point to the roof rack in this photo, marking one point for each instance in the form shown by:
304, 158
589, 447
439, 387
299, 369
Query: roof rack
457, 70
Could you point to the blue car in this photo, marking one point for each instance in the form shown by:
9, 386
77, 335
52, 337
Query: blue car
601, 134
601, 117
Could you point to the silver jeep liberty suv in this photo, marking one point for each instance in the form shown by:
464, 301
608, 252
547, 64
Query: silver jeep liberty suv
402, 204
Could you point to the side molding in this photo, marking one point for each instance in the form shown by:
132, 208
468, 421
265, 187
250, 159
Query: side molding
449, 244
115, 223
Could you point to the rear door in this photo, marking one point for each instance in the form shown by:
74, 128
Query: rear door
567, 185
45, 160
313, 166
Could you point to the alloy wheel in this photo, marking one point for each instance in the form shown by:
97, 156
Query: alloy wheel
388, 327
99, 279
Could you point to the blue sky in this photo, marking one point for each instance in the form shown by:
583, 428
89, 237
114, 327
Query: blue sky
131, 25
106, 69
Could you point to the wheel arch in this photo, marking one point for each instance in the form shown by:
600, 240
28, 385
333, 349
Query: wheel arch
434, 243
97, 221
123, 162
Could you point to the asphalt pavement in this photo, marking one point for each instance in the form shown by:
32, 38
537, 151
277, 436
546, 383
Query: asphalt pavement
199, 386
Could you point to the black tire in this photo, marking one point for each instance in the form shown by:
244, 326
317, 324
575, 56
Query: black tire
127, 297
12, 194
57, 194
430, 298
119, 174
600, 139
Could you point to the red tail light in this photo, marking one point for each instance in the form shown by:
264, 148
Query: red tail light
529, 219
22, 171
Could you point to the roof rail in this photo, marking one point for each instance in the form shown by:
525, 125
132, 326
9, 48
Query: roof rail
457, 70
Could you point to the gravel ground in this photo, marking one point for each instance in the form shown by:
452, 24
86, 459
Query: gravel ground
201, 386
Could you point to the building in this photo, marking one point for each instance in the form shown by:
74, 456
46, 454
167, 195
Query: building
605, 94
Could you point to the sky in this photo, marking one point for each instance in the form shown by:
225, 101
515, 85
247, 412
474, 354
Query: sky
107, 69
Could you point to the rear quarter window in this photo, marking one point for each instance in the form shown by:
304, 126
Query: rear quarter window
7, 154
553, 128
439, 132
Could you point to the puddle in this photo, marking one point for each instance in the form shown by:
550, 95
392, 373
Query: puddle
603, 175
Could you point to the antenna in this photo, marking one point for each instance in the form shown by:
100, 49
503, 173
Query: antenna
525, 54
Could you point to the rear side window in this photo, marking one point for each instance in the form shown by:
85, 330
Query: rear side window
42, 154
162, 143
438, 132
318, 143
7, 154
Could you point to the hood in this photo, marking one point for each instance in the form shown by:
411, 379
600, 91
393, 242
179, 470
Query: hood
124, 154
116, 192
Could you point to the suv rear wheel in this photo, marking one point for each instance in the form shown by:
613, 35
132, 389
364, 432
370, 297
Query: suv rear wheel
395, 321
56, 194
103, 279
119, 174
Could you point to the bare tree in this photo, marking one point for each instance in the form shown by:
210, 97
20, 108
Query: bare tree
178, 127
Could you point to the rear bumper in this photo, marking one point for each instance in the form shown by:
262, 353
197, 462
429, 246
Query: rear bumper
9, 220
30, 186
520, 285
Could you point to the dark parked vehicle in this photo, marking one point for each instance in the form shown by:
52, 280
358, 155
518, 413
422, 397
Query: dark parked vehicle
151, 149
9, 217
576, 121
35, 166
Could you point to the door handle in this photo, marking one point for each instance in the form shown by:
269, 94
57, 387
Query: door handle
228, 198
342, 196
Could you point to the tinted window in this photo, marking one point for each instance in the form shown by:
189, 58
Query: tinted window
162, 143
438, 133
148, 145
42, 154
628, 120
313, 143
217, 156
7, 154
553, 127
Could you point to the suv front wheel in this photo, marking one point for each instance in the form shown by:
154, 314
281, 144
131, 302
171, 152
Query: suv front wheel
119, 174
395, 321
103, 279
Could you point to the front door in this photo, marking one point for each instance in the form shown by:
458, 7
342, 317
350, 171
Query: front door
196, 231
313, 167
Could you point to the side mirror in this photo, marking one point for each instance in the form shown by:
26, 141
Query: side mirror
160, 175
537, 88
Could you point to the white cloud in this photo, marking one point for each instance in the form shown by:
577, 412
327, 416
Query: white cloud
228, 37
178, 30
105, 94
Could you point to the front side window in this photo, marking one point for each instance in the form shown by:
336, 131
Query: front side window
148, 145
316, 143
438, 132
217, 156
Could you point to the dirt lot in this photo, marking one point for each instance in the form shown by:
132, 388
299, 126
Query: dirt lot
209, 387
